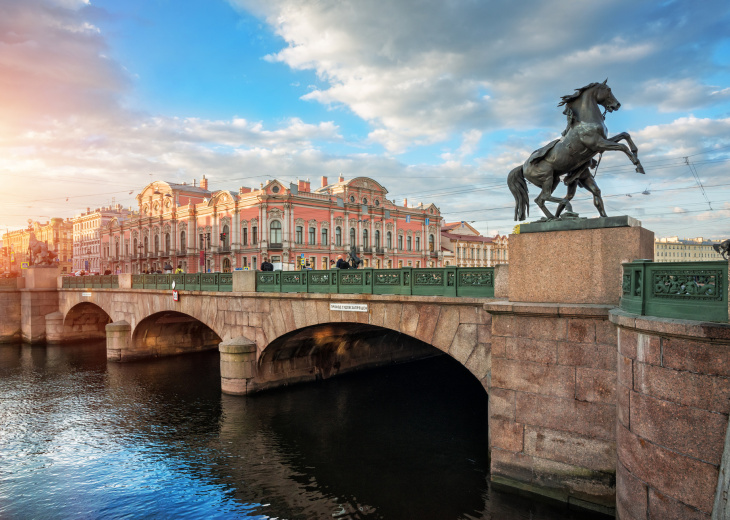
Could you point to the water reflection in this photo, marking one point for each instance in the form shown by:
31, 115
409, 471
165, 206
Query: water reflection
85, 439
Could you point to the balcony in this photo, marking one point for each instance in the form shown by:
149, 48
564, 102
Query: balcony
380, 250
225, 248
277, 246
367, 249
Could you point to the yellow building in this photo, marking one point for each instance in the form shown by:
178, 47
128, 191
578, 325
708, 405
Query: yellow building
674, 249
57, 235
464, 246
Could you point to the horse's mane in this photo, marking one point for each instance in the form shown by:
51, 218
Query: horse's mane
578, 93
570, 98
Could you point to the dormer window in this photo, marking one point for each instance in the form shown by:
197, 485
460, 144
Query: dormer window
352, 198
275, 189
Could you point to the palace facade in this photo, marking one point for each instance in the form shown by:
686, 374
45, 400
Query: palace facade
198, 229
464, 246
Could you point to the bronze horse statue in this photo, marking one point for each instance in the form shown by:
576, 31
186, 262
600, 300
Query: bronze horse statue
572, 154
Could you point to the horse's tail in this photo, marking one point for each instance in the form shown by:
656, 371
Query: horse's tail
518, 187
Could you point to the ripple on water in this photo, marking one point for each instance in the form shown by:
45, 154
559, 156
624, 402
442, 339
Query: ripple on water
80, 438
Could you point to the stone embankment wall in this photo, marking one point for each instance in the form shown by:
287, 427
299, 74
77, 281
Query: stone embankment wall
553, 401
10, 321
673, 405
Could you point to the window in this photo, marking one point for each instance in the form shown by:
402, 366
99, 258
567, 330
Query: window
183, 245
418, 243
226, 237
254, 237
400, 262
275, 232
226, 265
338, 236
146, 245
365, 238
352, 237
244, 239
157, 243
389, 240
400, 243
324, 237
202, 241
431, 244
377, 238
167, 242
364, 200
409, 242
312, 236
299, 238
352, 198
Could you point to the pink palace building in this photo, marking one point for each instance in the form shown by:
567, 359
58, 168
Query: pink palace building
197, 229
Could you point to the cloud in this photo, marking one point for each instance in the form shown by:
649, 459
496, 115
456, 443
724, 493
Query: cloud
418, 71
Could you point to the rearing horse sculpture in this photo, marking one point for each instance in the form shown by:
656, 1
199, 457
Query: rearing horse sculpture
572, 154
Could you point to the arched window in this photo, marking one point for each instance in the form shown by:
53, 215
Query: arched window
324, 237
377, 238
312, 236
157, 243
400, 243
135, 250
275, 232
183, 245
389, 240
226, 237
116, 247
338, 236
352, 236
365, 238
418, 243
299, 235
409, 241
167, 242
226, 265
146, 245
431, 243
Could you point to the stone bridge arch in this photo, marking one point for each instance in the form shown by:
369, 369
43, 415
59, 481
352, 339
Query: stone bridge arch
167, 333
85, 321
457, 327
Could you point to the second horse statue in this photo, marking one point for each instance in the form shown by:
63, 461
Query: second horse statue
572, 154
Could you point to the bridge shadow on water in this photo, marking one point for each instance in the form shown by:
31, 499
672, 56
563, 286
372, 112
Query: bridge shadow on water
401, 442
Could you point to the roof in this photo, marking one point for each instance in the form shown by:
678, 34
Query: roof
466, 238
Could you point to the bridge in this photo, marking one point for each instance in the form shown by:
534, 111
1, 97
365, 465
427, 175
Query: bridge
279, 338
607, 378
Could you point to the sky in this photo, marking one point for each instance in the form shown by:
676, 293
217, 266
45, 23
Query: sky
436, 99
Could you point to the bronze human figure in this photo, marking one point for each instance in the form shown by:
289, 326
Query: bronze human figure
572, 154
723, 248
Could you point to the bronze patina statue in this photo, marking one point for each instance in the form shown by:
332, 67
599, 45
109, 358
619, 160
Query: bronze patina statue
572, 154
723, 248
38, 252
355, 261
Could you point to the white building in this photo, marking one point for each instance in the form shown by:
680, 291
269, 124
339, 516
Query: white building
87, 235
674, 249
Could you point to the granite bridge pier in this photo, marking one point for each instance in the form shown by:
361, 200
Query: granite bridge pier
608, 379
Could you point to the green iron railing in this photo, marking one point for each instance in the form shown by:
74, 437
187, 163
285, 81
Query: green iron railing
109, 281
683, 290
446, 281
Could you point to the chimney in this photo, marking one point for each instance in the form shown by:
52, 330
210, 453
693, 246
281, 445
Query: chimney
204, 183
244, 189
324, 181
405, 203
341, 178
194, 181
302, 185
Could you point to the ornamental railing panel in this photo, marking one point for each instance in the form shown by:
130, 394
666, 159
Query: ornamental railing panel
476, 282
682, 290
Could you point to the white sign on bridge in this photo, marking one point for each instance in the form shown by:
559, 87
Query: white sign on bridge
352, 307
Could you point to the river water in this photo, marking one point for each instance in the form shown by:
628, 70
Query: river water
83, 438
